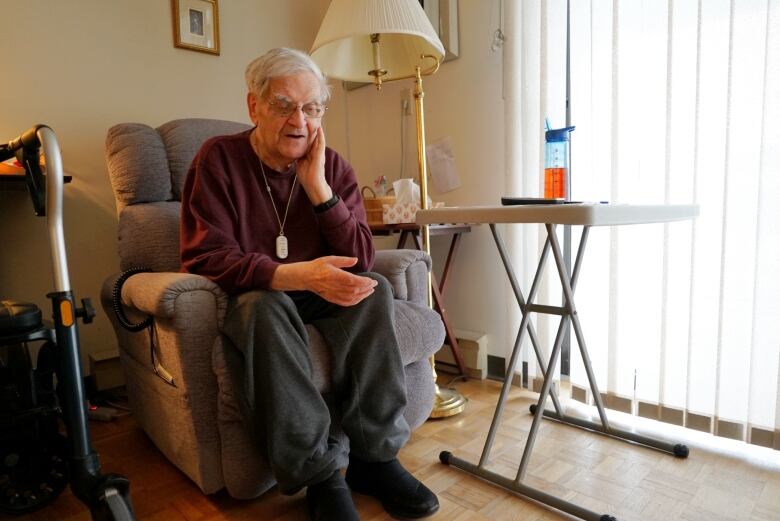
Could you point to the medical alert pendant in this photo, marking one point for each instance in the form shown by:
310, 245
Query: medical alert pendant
281, 241
281, 246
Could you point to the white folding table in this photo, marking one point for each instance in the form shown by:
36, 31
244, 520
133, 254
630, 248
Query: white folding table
585, 215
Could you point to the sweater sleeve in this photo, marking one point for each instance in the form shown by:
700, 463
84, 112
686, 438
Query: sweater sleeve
344, 225
209, 225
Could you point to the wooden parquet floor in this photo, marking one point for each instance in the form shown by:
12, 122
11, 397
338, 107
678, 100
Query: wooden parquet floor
633, 483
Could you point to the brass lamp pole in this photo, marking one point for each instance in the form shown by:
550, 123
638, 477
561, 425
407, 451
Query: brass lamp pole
448, 402
347, 46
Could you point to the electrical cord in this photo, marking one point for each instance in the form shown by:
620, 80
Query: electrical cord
116, 297
116, 300
455, 379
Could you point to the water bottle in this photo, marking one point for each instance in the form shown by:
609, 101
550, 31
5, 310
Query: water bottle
556, 162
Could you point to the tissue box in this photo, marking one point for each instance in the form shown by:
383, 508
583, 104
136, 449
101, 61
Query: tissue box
399, 213
402, 213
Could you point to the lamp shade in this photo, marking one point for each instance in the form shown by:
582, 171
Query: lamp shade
343, 46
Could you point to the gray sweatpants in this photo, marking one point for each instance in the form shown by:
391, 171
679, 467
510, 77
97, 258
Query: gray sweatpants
367, 379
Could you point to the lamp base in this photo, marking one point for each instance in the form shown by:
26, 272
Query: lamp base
447, 402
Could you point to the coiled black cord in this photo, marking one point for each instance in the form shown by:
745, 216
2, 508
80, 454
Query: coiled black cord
116, 297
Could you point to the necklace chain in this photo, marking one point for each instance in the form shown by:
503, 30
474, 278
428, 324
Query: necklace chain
281, 222
273, 204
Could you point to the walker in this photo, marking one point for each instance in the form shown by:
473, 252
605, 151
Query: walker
36, 462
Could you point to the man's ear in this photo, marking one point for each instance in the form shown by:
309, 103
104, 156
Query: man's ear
251, 105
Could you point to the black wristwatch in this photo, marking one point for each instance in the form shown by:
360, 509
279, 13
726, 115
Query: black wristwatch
330, 203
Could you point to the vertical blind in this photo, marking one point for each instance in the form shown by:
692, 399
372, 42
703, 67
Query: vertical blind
673, 102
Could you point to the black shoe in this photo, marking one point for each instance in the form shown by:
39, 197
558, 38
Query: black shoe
401, 494
331, 500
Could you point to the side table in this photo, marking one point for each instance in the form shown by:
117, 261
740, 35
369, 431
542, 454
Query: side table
438, 288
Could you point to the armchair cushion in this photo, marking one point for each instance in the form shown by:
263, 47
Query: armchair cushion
131, 150
158, 246
183, 138
407, 271
157, 294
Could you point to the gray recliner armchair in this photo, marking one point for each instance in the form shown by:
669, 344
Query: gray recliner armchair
176, 370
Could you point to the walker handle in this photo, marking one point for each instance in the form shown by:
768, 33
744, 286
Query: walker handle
27, 148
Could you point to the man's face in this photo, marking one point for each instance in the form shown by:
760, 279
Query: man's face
284, 138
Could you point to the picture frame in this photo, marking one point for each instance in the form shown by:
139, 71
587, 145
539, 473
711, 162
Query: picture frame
196, 25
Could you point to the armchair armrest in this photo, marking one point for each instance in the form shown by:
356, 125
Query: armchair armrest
157, 294
407, 272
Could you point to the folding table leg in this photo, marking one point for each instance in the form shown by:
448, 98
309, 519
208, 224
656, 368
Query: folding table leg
524, 324
448, 458
676, 449
568, 314
571, 310
526, 307
545, 391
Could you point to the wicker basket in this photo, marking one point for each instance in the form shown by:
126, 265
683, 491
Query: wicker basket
373, 205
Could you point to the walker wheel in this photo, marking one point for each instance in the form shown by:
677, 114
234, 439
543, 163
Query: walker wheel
532, 408
32, 473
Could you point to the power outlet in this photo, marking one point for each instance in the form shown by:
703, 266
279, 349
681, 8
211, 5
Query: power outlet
406, 102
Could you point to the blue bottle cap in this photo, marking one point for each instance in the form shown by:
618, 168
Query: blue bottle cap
557, 134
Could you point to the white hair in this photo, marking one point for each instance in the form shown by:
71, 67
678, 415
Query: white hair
281, 62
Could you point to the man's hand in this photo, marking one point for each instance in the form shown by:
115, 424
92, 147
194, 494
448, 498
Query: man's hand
325, 277
311, 171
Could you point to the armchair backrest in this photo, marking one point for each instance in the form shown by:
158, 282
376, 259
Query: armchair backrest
147, 168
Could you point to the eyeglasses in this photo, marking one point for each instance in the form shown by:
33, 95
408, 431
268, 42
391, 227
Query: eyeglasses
285, 108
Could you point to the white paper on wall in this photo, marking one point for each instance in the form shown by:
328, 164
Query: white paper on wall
441, 165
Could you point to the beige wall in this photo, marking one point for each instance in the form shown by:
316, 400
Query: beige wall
81, 67
96, 63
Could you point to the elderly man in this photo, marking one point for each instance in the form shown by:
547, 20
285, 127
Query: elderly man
275, 218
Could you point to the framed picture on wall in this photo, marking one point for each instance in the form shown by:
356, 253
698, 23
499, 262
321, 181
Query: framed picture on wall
196, 25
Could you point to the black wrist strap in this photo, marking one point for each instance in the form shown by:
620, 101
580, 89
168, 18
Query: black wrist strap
330, 203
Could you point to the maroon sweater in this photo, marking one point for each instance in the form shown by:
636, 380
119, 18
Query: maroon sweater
228, 227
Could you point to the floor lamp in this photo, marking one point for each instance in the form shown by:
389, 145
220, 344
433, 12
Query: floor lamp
376, 41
